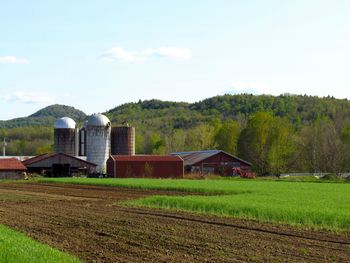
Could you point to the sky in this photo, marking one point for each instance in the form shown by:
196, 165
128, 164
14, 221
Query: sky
95, 55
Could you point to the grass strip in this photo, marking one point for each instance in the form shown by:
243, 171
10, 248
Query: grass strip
253, 206
180, 185
16, 247
325, 205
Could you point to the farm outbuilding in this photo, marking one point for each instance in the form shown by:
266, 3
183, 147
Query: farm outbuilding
214, 162
59, 164
145, 166
11, 168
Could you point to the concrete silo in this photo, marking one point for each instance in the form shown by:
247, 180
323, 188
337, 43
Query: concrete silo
65, 136
123, 140
98, 133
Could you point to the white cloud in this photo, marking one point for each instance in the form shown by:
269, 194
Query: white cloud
13, 60
170, 52
29, 97
120, 54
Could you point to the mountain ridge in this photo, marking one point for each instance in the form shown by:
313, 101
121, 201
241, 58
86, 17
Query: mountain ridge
297, 108
45, 116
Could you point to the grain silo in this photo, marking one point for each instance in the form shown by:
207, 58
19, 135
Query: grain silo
65, 136
98, 132
123, 140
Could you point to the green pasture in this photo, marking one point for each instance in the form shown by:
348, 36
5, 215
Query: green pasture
317, 205
16, 247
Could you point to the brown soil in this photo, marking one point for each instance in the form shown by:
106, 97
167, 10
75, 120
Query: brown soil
87, 221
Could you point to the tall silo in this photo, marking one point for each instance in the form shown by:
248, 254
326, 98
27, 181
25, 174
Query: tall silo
65, 136
98, 133
123, 140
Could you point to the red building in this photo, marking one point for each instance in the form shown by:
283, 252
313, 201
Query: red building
11, 168
145, 166
214, 162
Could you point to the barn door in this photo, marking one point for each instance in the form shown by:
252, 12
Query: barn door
61, 170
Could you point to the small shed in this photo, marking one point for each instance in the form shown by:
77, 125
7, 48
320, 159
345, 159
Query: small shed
214, 162
58, 165
145, 166
11, 168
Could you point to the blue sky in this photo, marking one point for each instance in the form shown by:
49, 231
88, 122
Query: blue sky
95, 55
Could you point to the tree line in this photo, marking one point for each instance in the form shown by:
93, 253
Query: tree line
280, 134
272, 144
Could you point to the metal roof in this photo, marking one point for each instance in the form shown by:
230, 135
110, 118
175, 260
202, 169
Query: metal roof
65, 123
11, 164
50, 155
146, 158
191, 158
98, 120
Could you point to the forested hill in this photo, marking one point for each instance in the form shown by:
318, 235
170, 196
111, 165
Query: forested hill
276, 134
165, 115
295, 107
58, 111
45, 117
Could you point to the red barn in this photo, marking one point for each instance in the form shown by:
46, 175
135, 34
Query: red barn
145, 166
215, 162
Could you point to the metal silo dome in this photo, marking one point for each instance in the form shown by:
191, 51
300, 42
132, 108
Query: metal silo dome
65, 136
65, 123
98, 120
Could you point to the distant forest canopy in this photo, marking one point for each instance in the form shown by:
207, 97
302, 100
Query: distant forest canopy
287, 133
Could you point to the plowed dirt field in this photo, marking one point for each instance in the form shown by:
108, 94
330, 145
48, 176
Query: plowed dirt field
90, 223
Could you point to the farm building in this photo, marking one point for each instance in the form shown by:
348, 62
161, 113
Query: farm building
215, 162
11, 168
145, 166
58, 164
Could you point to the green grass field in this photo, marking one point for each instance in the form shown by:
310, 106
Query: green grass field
317, 205
18, 248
